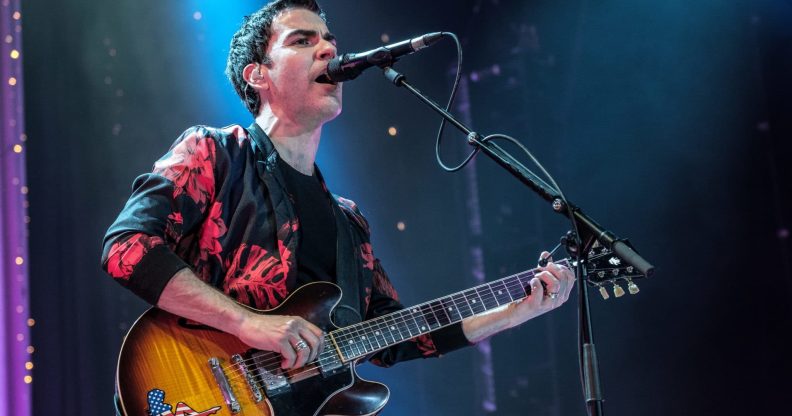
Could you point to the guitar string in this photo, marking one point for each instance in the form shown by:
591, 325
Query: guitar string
406, 315
317, 364
239, 376
515, 282
361, 328
272, 365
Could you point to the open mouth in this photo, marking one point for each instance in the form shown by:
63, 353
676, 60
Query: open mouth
324, 79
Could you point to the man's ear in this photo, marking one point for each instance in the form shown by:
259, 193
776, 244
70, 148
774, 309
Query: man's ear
253, 76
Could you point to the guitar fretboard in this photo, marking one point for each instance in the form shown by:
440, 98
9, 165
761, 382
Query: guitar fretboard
366, 337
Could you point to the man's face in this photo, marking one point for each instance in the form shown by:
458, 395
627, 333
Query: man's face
299, 49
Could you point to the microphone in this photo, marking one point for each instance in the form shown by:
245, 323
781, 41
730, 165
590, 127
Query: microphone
349, 65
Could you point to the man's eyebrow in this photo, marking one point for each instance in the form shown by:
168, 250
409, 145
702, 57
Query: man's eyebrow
310, 33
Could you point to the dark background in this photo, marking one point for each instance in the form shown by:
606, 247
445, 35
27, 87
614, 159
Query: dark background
668, 122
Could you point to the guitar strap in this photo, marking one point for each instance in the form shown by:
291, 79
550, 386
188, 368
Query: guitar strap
348, 311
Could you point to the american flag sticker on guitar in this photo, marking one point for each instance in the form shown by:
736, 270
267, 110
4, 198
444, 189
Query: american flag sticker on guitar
158, 407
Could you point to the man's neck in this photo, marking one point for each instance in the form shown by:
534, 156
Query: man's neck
296, 143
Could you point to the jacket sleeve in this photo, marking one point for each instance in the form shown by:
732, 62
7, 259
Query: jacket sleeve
385, 300
165, 206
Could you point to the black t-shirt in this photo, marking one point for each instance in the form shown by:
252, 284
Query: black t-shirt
316, 254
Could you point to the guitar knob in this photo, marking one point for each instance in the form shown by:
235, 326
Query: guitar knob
633, 288
604, 292
617, 290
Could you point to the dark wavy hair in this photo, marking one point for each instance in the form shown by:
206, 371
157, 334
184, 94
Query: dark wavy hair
250, 42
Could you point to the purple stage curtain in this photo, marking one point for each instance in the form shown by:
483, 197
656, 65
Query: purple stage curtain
15, 349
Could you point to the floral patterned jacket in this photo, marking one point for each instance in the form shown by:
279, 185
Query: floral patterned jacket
216, 203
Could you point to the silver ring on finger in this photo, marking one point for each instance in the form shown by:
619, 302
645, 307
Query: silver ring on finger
300, 345
552, 295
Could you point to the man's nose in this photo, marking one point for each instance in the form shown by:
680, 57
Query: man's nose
327, 50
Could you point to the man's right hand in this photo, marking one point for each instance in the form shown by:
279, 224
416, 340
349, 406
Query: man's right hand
297, 341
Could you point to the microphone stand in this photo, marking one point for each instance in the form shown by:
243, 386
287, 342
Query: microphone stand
586, 226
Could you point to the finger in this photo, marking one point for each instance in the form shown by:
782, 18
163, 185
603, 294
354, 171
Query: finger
303, 352
537, 293
544, 258
314, 343
564, 276
288, 354
316, 333
551, 282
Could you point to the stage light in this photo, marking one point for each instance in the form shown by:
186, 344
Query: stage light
28, 379
400, 226
392, 131
19, 261
28, 365
12, 81
14, 54
17, 148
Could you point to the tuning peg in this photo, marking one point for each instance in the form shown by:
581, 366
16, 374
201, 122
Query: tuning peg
633, 288
617, 290
604, 292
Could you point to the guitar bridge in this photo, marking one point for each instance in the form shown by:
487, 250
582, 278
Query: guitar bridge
225, 387
249, 377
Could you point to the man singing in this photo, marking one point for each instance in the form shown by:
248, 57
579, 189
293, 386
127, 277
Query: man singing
237, 215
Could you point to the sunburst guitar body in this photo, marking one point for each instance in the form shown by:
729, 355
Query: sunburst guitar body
171, 366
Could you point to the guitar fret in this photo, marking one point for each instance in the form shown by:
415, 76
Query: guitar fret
474, 301
378, 334
440, 312
503, 295
430, 316
364, 338
420, 320
451, 310
402, 326
388, 321
516, 289
465, 310
493, 301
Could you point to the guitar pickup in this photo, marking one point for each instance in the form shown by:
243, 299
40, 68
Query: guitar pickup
330, 364
268, 371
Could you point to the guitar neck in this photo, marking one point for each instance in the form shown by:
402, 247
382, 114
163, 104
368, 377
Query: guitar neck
366, 337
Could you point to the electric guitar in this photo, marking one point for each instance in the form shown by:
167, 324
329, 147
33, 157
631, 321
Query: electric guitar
171, 366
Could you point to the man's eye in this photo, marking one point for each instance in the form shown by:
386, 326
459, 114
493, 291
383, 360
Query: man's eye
302, 41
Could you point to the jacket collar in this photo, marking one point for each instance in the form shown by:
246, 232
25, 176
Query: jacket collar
264, 145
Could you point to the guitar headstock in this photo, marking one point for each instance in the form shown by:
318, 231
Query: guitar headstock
605, 269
